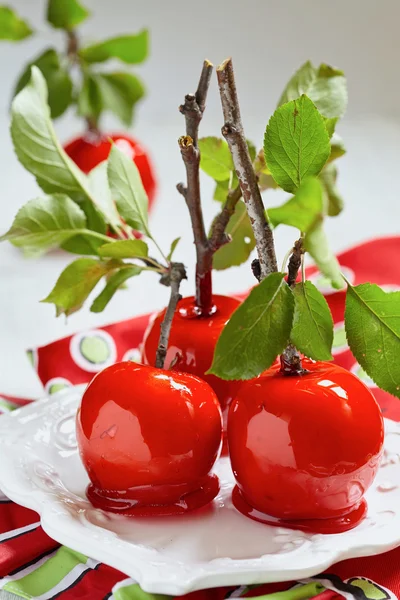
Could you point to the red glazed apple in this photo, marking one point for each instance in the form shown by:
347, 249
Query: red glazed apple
305, 448
148, 439
192, 343
90, 150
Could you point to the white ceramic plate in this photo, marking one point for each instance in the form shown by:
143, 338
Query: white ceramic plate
40, 468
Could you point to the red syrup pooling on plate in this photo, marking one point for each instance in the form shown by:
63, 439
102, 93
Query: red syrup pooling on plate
192, 343
329, 525
305, 448
149, 439
156, 500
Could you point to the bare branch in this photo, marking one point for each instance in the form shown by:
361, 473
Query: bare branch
291, 363
295, 262
234, 135
182, 189
191, 193
218, 237
256, 269
194, 104
193, 109
177, 273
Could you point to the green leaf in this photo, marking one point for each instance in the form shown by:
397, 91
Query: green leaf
330, 125
335, 203
312, 331
221, 190
324, 85
124, 249
337, 147
317, 245
296, 143
329, 91
95, 218
114, 283
36, 144
372, 321
90, 103
130, 49
12, 27
303, 209
76, 282
257, 331
215, 158
66, 14
88, 244
238, 250
172, 249
59, 83
300, 83
265, 179
98, 183
127, 190
46, 223
119, 92
252, 150
85, 245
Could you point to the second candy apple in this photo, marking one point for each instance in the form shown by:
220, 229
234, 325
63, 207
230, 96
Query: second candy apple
192, 342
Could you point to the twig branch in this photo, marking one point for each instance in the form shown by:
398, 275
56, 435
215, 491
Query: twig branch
290, 358
218, 237
234, 135
193, 109
72, 45
256, 269
194, 104
176, 275
72, 54
295, 262
191, 193
266, 262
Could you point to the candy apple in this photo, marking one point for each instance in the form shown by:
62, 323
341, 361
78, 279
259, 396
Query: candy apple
148, 439
89, 150
305, 448
192, 342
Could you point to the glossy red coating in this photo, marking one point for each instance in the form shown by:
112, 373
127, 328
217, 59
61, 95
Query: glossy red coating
193, 339
305, 447
88, 151
148, 439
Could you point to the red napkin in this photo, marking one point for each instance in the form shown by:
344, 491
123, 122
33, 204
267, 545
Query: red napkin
75, 359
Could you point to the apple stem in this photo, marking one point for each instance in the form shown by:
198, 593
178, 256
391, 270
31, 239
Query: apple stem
192, 109
72, 53
93, 128
191, 193
234, 135
72, 45
266, 263
290, 358
206, 246
177, 273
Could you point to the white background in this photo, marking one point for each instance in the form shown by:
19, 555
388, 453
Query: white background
268, 41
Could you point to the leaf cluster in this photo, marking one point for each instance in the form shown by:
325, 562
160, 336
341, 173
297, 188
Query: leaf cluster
94, 90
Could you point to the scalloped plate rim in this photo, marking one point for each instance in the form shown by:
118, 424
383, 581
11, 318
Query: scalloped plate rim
227, 571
